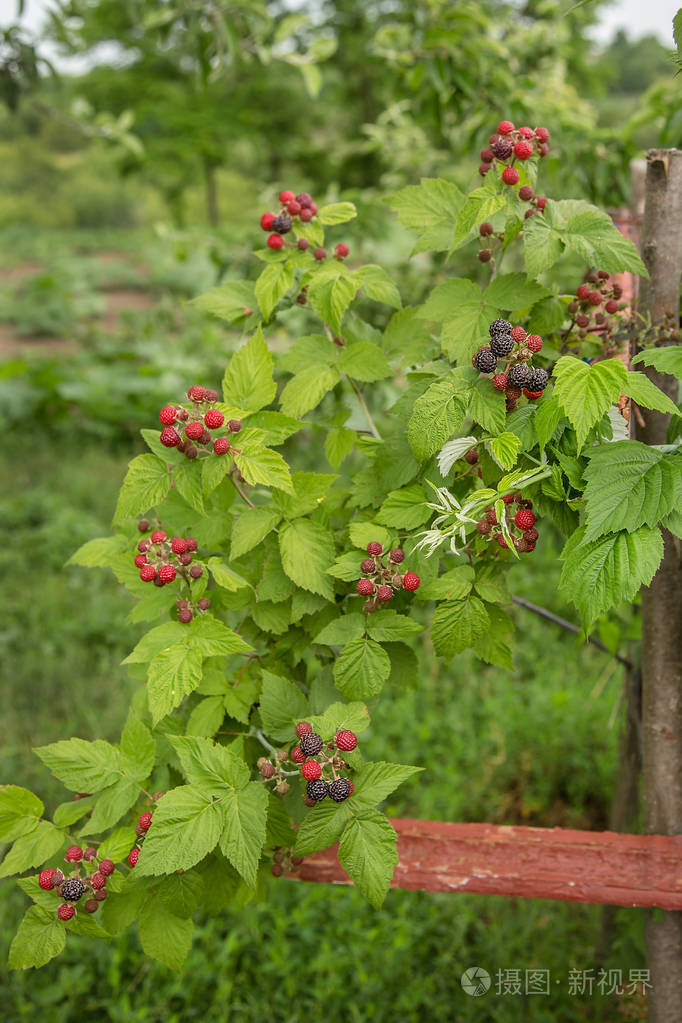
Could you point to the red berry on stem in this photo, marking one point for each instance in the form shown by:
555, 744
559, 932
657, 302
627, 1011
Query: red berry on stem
194, 430
540, 202
221, 446
375, 549
214, 419
286, 196
266, 221
191, 544
306, 215
144, 821
510, 176
342, 250
505, 127
364, 587
524, 519
275, 241
526, 193
526, 132
234, 425
65, 911
302, 244
518, 334
483, 168
485, 229
523, 150
320, 254
594, 298
133, 857
167, 573
98, 880
140, 560
487, 155
384, 593
297, 755
582, 292
611, 306
167, 415
346, 740
197, 392
147, 573
73, 854
485, 255
170, 438
159, 535
534, 342
106, 867
500, 381
411, 581
294, 208
311, 770
542, 134
178, 545
45, 879
303, 728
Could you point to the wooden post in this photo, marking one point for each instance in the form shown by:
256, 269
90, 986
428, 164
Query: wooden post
662, 600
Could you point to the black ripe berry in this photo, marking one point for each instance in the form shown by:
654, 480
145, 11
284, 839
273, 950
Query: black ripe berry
72, 890
519, 376
317, 790
485, 361
282, 224
339, 790
499, 327
501, 344
538, 380
503, 148
311, 744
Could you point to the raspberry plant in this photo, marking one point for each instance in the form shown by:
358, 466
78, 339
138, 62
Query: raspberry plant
280, 601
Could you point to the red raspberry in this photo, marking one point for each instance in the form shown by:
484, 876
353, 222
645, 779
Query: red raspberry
594, 298
487, 155
294, 208
524, 519
582, 292
491, 517
98, 880
167, 415
320, 254
346, 740
170, 438
45, 879
397, 556
275, 241
194, 430
167, 573
303, 244
140, 560
411, 581
197, 392
534, 342
191, 544
485, 229
529, 213
513, 393
286, 196
519, 334
364, 587
106, 867
234, 425
303, 728
375, 549
311, 770
543, 150
178, 545
611, 306
65, 912
526, 133
540, 202
144, 821
500, 381
485, 255
532, 395
542, 134
508, 499
582, 320
342, 250
133, 857
266, 221
306, 214
505, 127
214, 419
501, 541
221, 446
384, 593
74, 853
368, 566
297, 755
510, 176
531, 534
158, 536
526, 193
483, 168
523, 150
147, 573
185, 615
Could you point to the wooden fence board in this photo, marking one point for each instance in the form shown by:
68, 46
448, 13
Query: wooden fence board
532, 863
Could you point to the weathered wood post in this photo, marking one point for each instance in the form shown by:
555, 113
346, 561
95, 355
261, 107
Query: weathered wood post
661, 247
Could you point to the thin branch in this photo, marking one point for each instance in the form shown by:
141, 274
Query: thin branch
570, 627
368, 415
245, 498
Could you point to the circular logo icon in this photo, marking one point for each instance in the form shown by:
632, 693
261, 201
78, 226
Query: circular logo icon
475, 981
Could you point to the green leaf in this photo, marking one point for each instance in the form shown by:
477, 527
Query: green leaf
514, 291
504, 450
361, 669
19, 811
309, 491
213, 638
436, 416
32, 849
629, 485
368, 853
592, 234
211, 768
479, 205
156, 640
307, 550
41, 937
405, 508
231, 301
453, 451
282, 706
146, 484
98, 553
375, 781
336, 213
331, 290
378, 286
642, 390
244, 814
599, 574
447, 298
586, 392
429, 210
363, 533
252, 526
248, 382
548, 416
353, 716
453, 585
225, 576
487, 406
495, 645
364, 361
118, 844
187, 477
404, 665
83, 766
341, 630
171, 676
111, 805
665, 360
138, 748
207, 716
187, 826
391, 626
458, 624
259, 464
542, 240
272, 284
165, 936
338, 444
322, 827
306, 390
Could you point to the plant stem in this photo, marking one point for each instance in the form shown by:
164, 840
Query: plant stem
569, 626
370, 422
245, 498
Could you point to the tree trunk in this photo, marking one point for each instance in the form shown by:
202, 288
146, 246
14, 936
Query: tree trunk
662, 600
211, 186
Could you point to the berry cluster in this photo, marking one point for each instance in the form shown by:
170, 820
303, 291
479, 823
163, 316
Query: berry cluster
509, 144
321, 764
283, 862
296, 207
521, 527
144, 823
597, 306
380, 580
71, 889
162, 559
515, 348
184, 429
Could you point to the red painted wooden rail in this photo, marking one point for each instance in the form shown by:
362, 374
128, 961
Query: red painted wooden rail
532, 863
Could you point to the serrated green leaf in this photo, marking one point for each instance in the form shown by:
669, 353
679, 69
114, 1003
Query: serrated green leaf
479, 205
665, 360
171, 676
250, 527
458, 624
208, 766
586, 392
642, 390
248, 382
187, 477
231, 301
244, 815
436, 416
364, 361
138, 748
452, 585
306, 390
32, 849
338, 444
98, 553
405, 508
82, 766
487, 406
331, 290
165, 936
111, 805
392, 627
504, 450
341, 630
146, 484
428, 210
282, 706
452, 451
272, 284
353, 716
592, 234
207, 717
363, 533
336, 213
322, 827
259, 464
308, 492
547, 417
494, 646
377, 285
187, 826
224, 576
19, 811
307, 550
514, 291
361, 669
41, 937
368, 853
